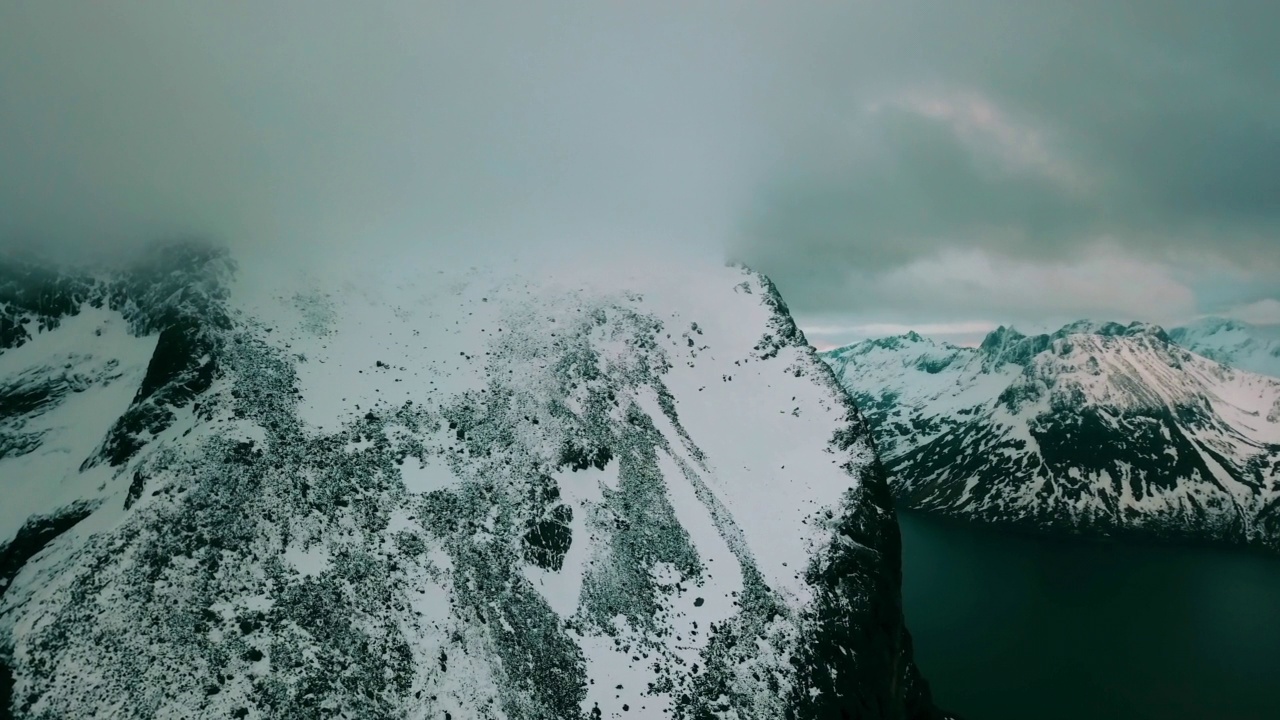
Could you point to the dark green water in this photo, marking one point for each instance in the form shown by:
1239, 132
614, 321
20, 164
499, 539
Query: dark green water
1013, 627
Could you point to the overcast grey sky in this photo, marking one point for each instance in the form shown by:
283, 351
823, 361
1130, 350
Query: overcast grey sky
939, 165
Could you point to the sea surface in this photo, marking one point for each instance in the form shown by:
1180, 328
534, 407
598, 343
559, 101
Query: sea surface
1010, 626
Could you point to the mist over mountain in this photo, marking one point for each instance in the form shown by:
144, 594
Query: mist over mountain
1232, 342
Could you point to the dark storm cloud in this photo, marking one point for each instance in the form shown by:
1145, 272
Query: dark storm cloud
898, 162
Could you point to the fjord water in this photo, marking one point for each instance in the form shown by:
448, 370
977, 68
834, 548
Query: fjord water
1010, 626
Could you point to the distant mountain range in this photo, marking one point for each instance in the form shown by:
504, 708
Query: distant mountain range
1234, 343
1098, 428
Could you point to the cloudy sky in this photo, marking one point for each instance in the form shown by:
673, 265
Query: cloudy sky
944, 166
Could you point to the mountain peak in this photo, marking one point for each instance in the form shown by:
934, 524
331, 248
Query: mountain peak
999, 338
1007, 345
425, 483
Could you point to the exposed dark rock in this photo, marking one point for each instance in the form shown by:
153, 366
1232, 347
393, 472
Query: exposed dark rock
548, 540
6, 689
577, 457
34, 536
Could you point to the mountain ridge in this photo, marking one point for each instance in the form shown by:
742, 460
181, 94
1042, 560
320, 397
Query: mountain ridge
1100, 428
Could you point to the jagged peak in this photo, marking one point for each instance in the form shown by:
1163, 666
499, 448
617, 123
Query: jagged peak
1000, 337
1148, 330
1008, 345
891, 342
1091, 327
1110, 328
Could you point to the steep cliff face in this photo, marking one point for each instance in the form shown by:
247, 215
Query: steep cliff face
1097, 428
436, 495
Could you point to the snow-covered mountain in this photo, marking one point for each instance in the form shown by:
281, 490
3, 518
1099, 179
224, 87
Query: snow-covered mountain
1098, 427
1231, 342
434, 495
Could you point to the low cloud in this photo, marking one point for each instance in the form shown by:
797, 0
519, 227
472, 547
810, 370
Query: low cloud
906, 162
1262, 312
1101, 283
300, 127
965, 293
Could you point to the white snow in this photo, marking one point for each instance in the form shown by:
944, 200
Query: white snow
422, 476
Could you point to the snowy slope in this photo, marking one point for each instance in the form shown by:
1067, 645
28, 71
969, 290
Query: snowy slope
1231, 342
1097, 427
62, 394
426, 494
